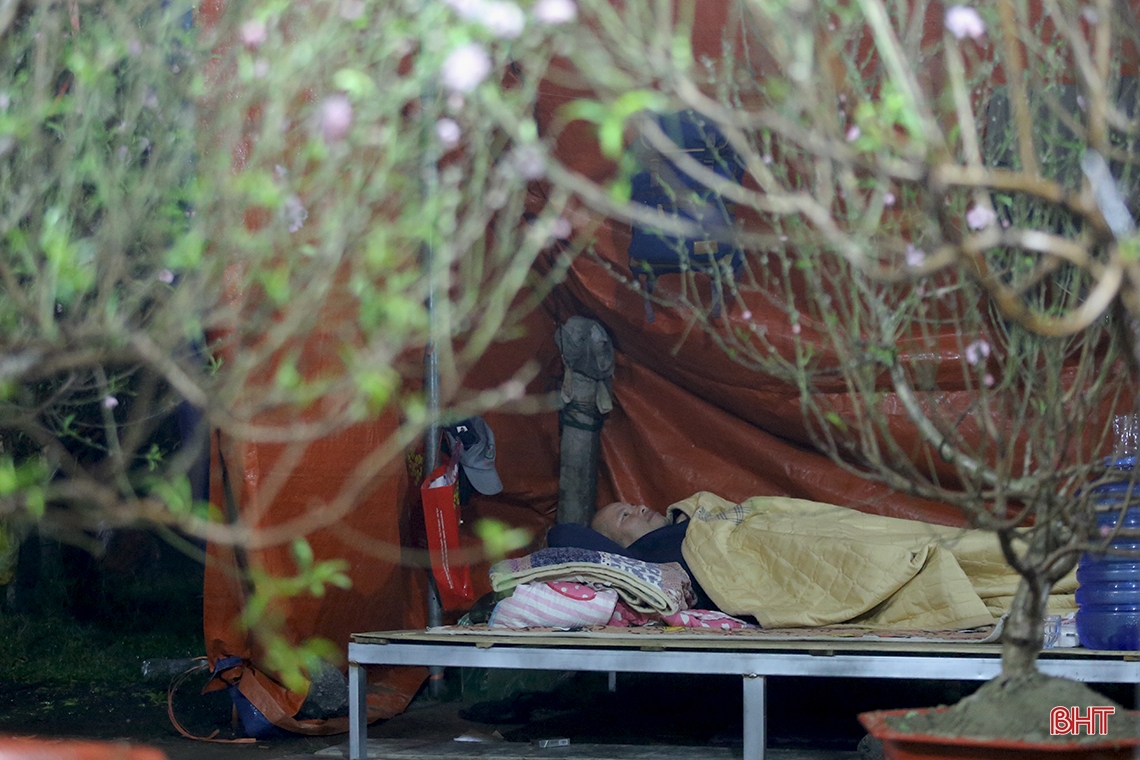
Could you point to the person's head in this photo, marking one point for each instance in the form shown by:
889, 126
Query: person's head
625, 523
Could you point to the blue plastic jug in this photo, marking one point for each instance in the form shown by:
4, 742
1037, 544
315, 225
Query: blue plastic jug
1108, 599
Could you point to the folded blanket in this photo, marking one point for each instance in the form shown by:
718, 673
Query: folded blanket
554, 604
645, 586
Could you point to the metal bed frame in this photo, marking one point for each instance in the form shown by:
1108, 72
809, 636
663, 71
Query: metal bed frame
751, 659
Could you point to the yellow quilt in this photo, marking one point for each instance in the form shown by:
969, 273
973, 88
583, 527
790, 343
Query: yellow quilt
794, 563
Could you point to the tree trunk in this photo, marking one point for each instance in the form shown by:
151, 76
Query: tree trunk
1024, 631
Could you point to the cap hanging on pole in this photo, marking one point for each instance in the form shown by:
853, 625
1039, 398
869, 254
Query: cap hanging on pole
475, 442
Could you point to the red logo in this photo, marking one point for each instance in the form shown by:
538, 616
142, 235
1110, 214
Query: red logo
1068, 720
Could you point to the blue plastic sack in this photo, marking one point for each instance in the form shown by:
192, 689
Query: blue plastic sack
253, 721
664, 187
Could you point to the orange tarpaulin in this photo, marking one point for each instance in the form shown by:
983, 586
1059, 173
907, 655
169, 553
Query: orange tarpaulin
383, 595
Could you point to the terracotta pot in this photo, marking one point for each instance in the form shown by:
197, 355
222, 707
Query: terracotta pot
903, 745
67, 749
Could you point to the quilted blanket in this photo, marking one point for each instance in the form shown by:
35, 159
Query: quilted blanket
645, 586
795, 563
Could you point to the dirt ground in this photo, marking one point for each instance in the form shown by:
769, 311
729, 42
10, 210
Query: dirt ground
808, 718
137, 715
699, 712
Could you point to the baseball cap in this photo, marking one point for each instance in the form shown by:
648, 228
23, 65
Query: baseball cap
475, 442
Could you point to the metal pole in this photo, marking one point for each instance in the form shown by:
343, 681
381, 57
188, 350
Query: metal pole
430, 182
755, 716
431, 454
431, 461
357, 712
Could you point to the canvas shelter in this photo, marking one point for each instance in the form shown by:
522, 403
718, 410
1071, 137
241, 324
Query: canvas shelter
686, 418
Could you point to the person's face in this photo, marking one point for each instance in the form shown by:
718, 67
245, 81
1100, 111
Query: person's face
625, 523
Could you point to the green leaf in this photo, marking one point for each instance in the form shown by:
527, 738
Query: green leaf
882, 355
287, 662
611, 119
682, 52
499, 539
378, 385
175, 493
621, 190
325, 649
586, 110
356, 83
9, 482
153, 457
302, 553
54, 236
612, 129
287, 376
186, 253
255, 608
34, 502
1130, 248
276, 284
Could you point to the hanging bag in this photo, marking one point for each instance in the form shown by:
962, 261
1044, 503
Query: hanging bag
441, 518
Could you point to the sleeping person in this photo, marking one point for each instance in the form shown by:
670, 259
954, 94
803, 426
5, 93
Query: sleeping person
632, 530
628, 523
792, 563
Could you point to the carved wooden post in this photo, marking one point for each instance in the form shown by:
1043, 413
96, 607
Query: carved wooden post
588, 356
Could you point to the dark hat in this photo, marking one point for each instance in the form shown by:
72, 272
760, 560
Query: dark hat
475, 443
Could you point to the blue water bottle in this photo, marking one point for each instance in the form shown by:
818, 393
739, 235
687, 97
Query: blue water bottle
1108, 597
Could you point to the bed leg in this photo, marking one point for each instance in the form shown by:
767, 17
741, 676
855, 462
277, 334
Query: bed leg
611, 684
755, 730
357, 713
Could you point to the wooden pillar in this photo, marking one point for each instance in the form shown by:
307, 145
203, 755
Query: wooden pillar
587, 353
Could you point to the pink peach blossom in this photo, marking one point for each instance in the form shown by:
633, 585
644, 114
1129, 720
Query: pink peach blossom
502, 18
980, 217
554, 12
336, 118
977, 351
914, 256
963, 21
466, 67
448, 132
562, 228
253, 33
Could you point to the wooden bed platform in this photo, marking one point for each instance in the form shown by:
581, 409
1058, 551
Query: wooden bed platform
753, 655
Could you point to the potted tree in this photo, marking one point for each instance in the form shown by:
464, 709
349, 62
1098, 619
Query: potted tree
938, 253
